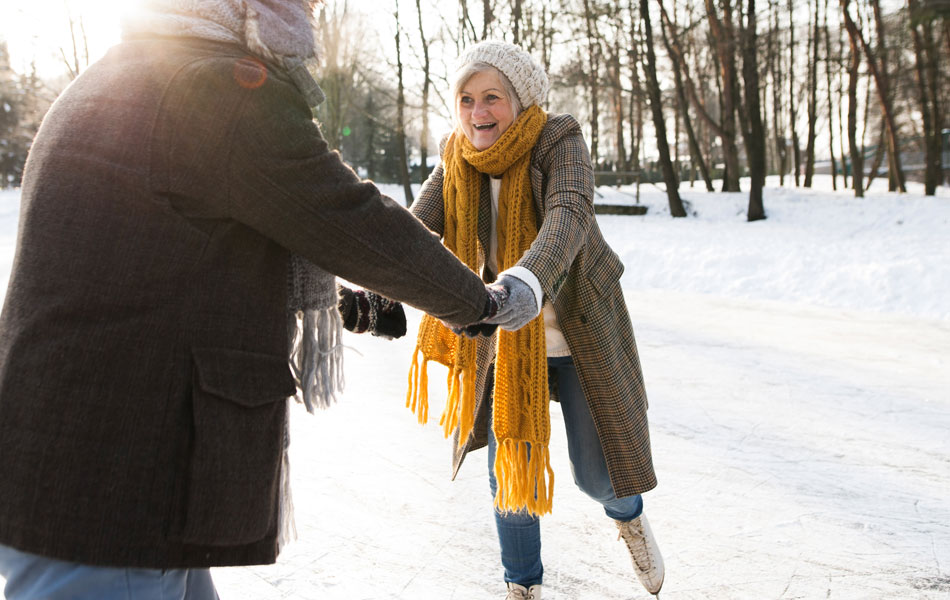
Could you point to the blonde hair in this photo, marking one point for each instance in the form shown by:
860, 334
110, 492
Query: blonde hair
472, 69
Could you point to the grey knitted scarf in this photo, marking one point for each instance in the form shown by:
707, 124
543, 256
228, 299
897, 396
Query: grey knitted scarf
280, 32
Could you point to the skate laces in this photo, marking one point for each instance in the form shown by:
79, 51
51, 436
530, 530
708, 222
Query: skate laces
636, 543
520, 593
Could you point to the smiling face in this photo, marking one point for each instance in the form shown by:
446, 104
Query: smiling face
484, 109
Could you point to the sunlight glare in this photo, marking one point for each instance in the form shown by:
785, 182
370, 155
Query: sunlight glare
40, 30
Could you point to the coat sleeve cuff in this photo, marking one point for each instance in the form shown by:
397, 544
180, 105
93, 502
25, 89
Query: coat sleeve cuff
527, 277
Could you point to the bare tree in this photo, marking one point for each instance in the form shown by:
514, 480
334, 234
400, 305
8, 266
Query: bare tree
593, 80
928, 86
426, 84
812, 95
337, 76
516, 14
400, 115
755, 136
682, 102
78, 59
635, 119
488, 15
857, 153
775, 69
653, 90
616, 93
829, 54
792, 93
466, 28
722, 30
813, 37
882, 79
720, 127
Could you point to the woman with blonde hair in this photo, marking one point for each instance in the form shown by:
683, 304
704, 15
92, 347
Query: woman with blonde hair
513, 199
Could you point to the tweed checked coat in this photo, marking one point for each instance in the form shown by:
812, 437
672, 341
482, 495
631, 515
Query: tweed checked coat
143, 339
581, 275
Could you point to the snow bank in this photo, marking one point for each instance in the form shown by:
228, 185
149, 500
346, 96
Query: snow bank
887, 253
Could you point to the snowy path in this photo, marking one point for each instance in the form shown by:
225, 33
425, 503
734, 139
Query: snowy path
802, 453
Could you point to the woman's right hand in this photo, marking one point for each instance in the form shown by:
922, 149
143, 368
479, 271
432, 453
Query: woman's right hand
363, 310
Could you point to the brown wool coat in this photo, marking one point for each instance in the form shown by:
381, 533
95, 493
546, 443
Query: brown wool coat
576, 268
143, 339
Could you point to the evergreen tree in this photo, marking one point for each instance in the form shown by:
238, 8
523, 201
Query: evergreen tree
12, 155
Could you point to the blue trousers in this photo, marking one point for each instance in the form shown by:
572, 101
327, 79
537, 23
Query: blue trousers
519, 534
32, 577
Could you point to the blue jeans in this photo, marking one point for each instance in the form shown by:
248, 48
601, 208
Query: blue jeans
519, 534
32, 577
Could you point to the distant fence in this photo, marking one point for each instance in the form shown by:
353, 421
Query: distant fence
619, 178
616, 177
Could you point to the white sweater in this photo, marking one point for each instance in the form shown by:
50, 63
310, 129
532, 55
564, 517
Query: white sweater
554, 338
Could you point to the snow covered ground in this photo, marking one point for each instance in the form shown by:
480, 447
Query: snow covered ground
800, 407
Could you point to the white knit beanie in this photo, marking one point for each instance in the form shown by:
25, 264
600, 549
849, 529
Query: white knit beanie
522, 70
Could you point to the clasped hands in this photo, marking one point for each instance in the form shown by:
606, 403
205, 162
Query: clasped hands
511, 305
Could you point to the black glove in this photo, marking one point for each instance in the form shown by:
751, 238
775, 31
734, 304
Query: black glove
364, 311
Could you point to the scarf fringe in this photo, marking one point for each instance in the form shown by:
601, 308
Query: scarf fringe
460, 405
316, 356
525, 477
459, 409
417, 398
286, 527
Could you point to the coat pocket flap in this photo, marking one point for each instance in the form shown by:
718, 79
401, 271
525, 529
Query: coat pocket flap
246, 378
604, 269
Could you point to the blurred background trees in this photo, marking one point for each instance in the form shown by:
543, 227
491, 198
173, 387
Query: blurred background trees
857, 89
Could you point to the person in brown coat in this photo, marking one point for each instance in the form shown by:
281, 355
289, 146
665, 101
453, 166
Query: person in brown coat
180, 211
513, 197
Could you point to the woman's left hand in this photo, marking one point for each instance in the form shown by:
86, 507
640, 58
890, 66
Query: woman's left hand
519, 309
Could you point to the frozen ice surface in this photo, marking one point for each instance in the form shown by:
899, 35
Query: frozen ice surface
801, 452
799, 387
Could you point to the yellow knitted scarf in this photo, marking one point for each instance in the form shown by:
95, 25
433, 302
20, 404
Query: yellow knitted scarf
521, 421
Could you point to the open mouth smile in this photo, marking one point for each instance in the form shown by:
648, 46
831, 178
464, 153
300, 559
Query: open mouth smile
484, 127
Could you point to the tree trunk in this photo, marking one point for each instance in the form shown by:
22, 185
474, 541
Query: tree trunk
618, 107
593, 65
883, 80
488, 15
683, 106
812, 98
755, 144
857, 154
636, 96
466, 27
842, 140
516, 22
927, 92
400, 118
792, 91
781, 148
723, 34
653, 89
831, 112
879, 152
426, 84
616, 81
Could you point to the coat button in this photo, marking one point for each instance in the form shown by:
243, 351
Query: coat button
583, 319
